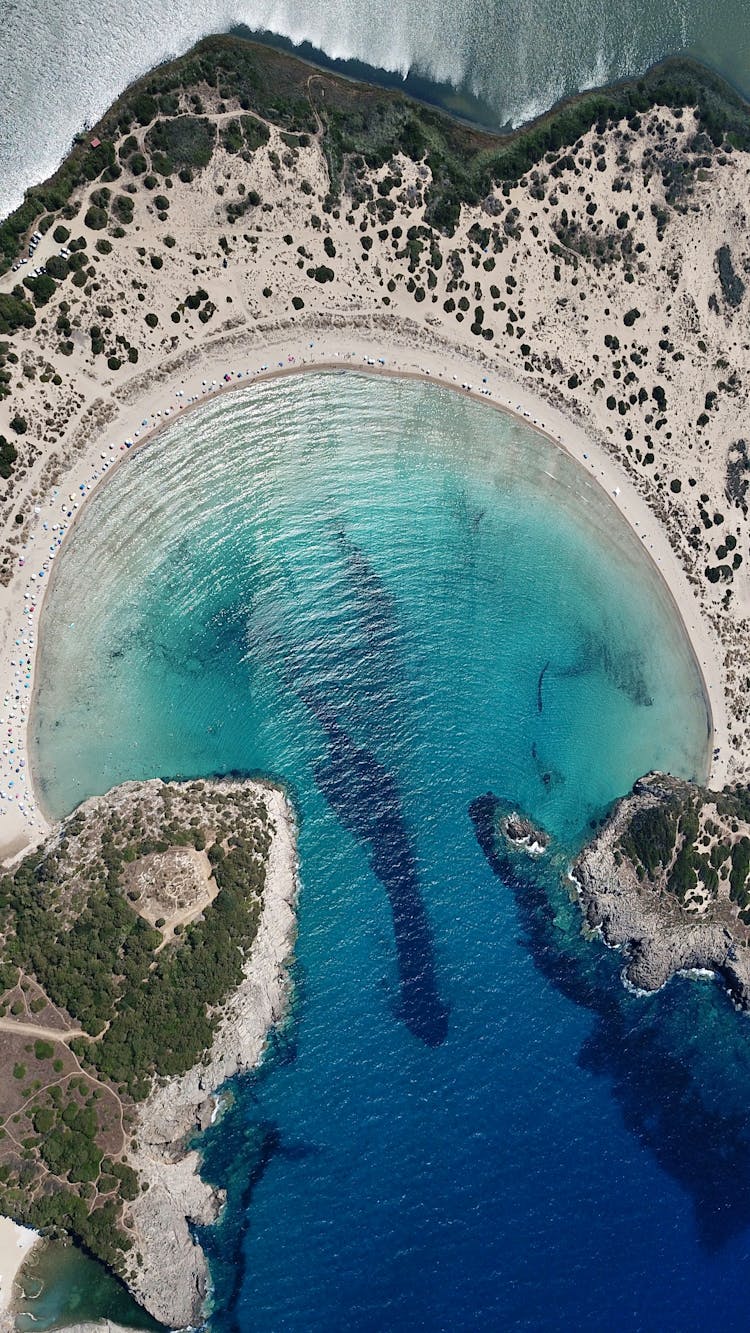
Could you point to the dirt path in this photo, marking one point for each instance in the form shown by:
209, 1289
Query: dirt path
35, 1030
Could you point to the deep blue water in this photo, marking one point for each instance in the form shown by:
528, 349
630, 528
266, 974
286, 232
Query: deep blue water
399, 601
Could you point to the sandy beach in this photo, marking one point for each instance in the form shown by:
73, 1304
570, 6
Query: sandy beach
81, 429
23, 820
16, 1244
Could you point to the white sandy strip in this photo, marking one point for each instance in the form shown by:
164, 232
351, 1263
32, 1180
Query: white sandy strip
16, 1244
22, 822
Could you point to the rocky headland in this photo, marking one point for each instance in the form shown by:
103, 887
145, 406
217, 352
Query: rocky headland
666, 880
177, 904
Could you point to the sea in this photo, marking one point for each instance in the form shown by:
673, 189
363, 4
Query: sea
499, 62
415, 611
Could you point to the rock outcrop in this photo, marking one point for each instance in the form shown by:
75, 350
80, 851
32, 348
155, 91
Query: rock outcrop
171, 1277
661, 931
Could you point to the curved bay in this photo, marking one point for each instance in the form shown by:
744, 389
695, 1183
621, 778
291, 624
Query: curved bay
397, 600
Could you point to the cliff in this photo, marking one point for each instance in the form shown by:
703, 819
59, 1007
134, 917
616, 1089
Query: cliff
171, 1279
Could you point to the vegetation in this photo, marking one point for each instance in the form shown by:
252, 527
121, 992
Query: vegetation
186, 141
361, 127
677, 844
731, 283
8, 456
72, 926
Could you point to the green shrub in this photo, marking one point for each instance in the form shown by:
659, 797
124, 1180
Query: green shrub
8, 456
185, 141
15, 312
57, 267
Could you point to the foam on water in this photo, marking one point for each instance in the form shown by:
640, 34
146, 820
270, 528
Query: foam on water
61, 67
401, 601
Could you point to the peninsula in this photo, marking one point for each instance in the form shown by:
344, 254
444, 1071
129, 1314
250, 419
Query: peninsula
236, 215
142, 964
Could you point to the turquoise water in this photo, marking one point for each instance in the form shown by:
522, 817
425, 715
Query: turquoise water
60, 1284
396, 601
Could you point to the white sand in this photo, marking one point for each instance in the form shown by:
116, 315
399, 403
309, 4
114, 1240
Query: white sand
16, 1244
77, 429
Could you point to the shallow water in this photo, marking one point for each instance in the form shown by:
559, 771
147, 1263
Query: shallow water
397, 600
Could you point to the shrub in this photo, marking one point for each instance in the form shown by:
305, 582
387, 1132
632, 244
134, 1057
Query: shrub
255, 131
61, 234
123, 207
152, 320
143, 108
8, 456
19, 425
15, 312
57, 267
103, 246
184, 141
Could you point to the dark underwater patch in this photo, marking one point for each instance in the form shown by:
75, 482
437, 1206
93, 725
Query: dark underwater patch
678, 1061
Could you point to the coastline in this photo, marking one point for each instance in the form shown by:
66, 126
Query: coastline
352, 348
172, 1279
79, 439
17, 1243
163, 1265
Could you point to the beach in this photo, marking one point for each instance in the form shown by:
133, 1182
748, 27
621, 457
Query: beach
78, 435
23, 821
629, 358
16, 1244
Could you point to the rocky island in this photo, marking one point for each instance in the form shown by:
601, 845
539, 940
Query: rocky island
142, 964
666, 880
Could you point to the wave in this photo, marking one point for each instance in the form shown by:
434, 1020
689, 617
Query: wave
503, 61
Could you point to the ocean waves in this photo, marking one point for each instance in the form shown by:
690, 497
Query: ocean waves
502, 61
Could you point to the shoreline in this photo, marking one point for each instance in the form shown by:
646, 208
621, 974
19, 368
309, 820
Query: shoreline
328, 352
17, 1243
163, 1264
